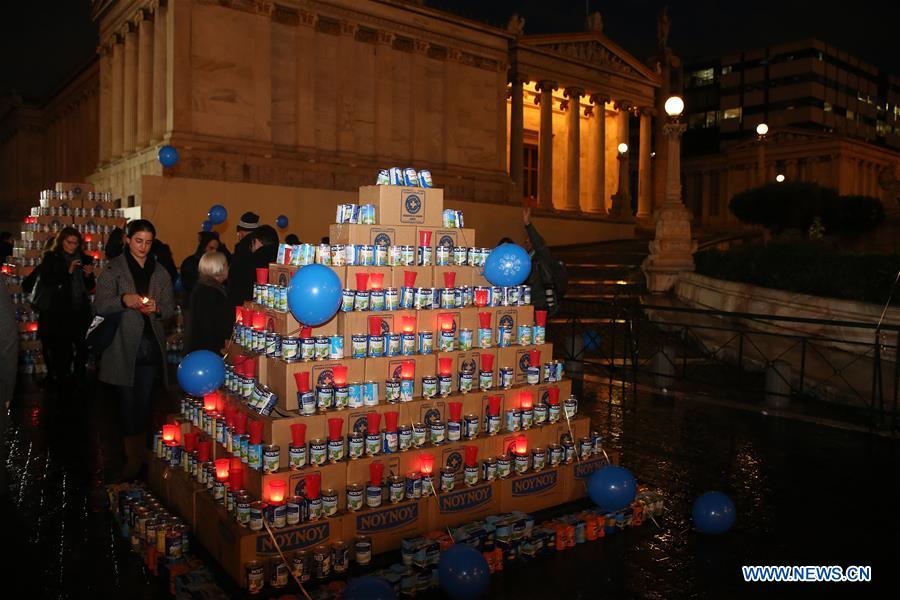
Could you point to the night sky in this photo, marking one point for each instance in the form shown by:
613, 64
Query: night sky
43, 42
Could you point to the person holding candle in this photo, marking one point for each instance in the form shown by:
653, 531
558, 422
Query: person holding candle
65, 277
212, 316
134, 289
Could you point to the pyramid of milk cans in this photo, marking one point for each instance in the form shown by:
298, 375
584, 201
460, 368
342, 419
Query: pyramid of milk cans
430, 400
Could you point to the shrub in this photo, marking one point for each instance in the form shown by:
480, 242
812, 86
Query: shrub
796, 205
806, 267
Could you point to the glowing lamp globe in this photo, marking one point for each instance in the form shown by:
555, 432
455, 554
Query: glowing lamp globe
674, 106
779, 178
762, 129
622, 148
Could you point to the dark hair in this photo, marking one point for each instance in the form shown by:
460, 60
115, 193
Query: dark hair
204, 238
65, 232
140, 225
115, 243
292, 239
266, 235
505, 240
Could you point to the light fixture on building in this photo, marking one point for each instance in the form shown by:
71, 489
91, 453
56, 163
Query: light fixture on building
623, 148
762, 129
674, 106
779, 178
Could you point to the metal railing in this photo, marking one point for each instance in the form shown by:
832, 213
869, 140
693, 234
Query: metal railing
753, 358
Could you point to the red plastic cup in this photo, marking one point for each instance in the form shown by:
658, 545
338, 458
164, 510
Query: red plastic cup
250, 368
540, 318
534, 358
190, 441
526, 400
302, 379
306, 333
494, 405
376, 281
298, 434
425, 237
553, 395
335, 428
373, 422
247, 316
240, 423
262, 275
445, 365
222, 465
409, 279
339, 375
484, 319
481, 298
426, 463
374, 325
487, 362
455, 411
408, 369
390, 420
471, 456
362, 281
236, 477
449, 279
376, 472
256, 430
313, 485
203, 451
238, 315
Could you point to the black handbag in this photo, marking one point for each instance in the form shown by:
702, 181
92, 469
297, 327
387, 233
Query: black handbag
102, 332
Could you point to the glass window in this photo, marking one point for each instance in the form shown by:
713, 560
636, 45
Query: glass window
726, 69
827, 107
530, 168
703, 77
731, 113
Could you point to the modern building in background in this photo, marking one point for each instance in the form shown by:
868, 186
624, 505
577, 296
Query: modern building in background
829, 117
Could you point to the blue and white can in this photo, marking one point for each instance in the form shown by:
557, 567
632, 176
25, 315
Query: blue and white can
465, 382
392, 344
396, 176
533, 375
406, 390
404, 436
297, 457
354, 396
445, 385
361, 300
504, 337
525, 295
465, 339
447, 341
391, 442
366, 256
442, 256
485, 380
384, 177
351, 255
407, 344
407, 298
448, 298
424, 256
376, 346
392, 391
348, 300
410, 177
524, 335
511, 296
507, 375
425, 179
381, 255
373, 443
336, 347
538, 335
429, 386
359, 345
407, 256
273, 345
485, 339
323, 346
367, 214
376, 300
341, 397
370, 393
391, 299
324, 397
426, 342
308, 348
496, 296
356, 445
460, 256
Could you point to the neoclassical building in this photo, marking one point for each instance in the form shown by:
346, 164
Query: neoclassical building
305, 100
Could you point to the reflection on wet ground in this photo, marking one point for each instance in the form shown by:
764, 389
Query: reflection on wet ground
805, 494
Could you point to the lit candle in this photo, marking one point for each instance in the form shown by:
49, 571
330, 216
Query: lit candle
169, 432
426, 463
209, 401
276, 491
222, 467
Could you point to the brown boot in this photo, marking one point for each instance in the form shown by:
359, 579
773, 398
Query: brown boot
135, 456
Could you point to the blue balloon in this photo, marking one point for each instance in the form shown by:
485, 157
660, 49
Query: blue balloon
282, 221
206, 225
168, 156
314, 295
179, 285
612, 488
217, 214
507, 264
713, 513
201, 372
463, 572
369, 588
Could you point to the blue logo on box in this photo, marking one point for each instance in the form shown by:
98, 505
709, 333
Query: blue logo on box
454, 462
382, 239
389, 518
303, 536
325, 378
361, 425
524, 361
432, 415
446, 241
467, 499
413, 204
506, 321
468, 366
534, 484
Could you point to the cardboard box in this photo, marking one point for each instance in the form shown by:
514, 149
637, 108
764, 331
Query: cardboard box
75, 189
358, 470
281, 376
373, 235
518, 358
284, 324
334, 476
233, 546
464, 505
281, 274
424, 276
389, 524
350, 323
183, 495
433, 320
533, 491
400, 205
478, 278
464, 276
449, 238
157, 478
512, 316
382, 369
468, 361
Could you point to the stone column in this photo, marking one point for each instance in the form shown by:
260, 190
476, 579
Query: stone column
761, 161
129, 90
645, 207
545, 150
145, 80
516, 130
383, 94
621, 200
597, 200
158, 125
573, 150
117, 97
105, 115
306, 82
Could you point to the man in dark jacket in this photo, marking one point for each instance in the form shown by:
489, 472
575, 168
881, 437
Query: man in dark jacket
264, 250
543, 267
241, 270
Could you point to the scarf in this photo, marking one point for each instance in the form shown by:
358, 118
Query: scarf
141, 275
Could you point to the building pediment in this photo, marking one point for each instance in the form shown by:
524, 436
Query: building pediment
594, 49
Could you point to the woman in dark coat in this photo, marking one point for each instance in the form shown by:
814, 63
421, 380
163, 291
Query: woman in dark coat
65, 277
136, 289
208, 241
213, 314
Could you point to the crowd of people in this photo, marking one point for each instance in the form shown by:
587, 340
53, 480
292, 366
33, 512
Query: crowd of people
134, 299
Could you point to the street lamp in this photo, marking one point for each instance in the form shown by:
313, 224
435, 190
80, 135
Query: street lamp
674, 129
622, 148
779, 178
674, 107
761, 130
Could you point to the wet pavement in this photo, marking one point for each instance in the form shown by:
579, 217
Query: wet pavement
805, 495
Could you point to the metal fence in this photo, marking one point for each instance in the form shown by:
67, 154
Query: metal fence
835, 370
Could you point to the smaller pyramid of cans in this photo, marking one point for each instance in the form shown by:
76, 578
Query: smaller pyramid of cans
430, 400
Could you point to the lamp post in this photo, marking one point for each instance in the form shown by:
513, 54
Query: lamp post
761, 131
621, 200
672, 248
